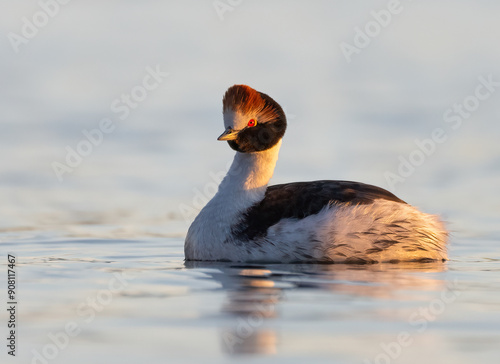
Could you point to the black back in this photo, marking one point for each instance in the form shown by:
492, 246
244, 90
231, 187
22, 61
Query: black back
301, 199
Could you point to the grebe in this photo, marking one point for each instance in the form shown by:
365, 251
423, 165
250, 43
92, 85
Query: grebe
320, 221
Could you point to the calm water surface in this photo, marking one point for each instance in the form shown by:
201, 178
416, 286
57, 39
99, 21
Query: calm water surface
136, 300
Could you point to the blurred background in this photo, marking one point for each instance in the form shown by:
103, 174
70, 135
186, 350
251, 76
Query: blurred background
359, 81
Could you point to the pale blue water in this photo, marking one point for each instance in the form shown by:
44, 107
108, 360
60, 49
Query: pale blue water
165, 310
100, 249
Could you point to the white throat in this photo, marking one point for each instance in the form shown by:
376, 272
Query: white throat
250, 173
244, 185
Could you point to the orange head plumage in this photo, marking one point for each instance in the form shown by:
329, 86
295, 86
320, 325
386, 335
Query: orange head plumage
254, 121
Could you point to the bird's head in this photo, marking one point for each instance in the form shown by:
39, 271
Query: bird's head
254, 122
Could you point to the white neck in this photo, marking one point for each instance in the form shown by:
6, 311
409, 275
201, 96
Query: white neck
250, 173
244, 185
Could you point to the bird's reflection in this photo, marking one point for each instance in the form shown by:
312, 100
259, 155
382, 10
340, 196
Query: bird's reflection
254, 292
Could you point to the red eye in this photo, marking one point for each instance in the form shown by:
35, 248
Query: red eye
252, 122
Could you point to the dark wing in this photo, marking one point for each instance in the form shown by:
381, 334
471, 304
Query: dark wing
301, 199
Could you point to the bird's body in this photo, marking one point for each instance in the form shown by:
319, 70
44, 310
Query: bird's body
320, 221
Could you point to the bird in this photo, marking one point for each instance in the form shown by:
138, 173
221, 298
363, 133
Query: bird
323, 221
